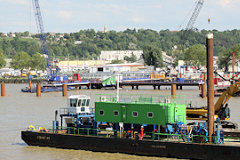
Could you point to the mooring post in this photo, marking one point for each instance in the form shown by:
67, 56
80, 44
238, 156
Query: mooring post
205, 78
64, 90
203, 86
210, 85
30, 84
2, 89
204, 90
173, 90
38, 92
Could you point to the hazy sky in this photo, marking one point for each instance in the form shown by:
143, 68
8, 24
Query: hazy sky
74, 15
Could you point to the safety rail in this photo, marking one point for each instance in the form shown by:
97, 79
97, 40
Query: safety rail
163, 137
141, 98
72, 110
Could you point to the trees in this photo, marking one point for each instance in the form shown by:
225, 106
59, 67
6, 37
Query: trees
152, 56
195, 55
92, 43
2, 61
21, 61
117, 61
38, 62
225, 57
133, 58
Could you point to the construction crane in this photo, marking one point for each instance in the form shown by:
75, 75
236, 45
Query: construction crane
41, 32
222, 110
195, 14
191, 22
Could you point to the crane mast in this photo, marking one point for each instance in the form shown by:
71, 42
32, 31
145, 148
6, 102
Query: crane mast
195, 14
41, 32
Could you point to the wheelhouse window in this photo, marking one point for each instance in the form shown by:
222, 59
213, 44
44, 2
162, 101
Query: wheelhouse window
87, 103
79, 102
150, 114
135, 114
73, 102
116, 113
83, 102
101, 112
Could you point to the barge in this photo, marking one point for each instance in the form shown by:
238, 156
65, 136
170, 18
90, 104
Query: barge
141, 125
55, 83
129, 146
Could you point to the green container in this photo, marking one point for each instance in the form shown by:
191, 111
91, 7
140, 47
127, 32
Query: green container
140, 113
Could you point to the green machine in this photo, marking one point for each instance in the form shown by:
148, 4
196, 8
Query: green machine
138, 109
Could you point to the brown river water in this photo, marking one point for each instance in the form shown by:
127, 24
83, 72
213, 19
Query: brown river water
19, 110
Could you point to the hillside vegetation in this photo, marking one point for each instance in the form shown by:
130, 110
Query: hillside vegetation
87, 44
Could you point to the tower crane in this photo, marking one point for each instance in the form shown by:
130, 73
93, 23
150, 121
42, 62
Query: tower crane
41, 32
195, 14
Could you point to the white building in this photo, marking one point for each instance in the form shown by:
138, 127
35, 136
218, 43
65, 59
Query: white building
119, 55
167, 59
77, 42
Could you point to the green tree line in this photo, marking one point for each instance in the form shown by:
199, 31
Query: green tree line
179, 44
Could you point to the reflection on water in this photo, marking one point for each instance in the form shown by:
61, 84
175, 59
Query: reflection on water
19, 110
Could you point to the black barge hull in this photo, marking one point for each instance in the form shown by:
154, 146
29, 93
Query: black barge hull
137, 147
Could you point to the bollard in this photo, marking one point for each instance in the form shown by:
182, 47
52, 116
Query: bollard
205, 78
64, 90
38, 92
173, 90
3, 89
30, 84
204, 90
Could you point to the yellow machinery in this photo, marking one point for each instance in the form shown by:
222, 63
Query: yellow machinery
221, 106
159, 76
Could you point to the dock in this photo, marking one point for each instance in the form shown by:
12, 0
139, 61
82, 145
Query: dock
156, 84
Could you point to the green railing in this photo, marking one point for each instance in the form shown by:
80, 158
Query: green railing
164, 137
142, 98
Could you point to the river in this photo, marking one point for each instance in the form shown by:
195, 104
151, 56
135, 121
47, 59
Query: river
19, 110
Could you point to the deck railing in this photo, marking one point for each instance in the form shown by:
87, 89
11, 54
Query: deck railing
163, 137
142, 98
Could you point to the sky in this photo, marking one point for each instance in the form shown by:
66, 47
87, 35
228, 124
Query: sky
66, 16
